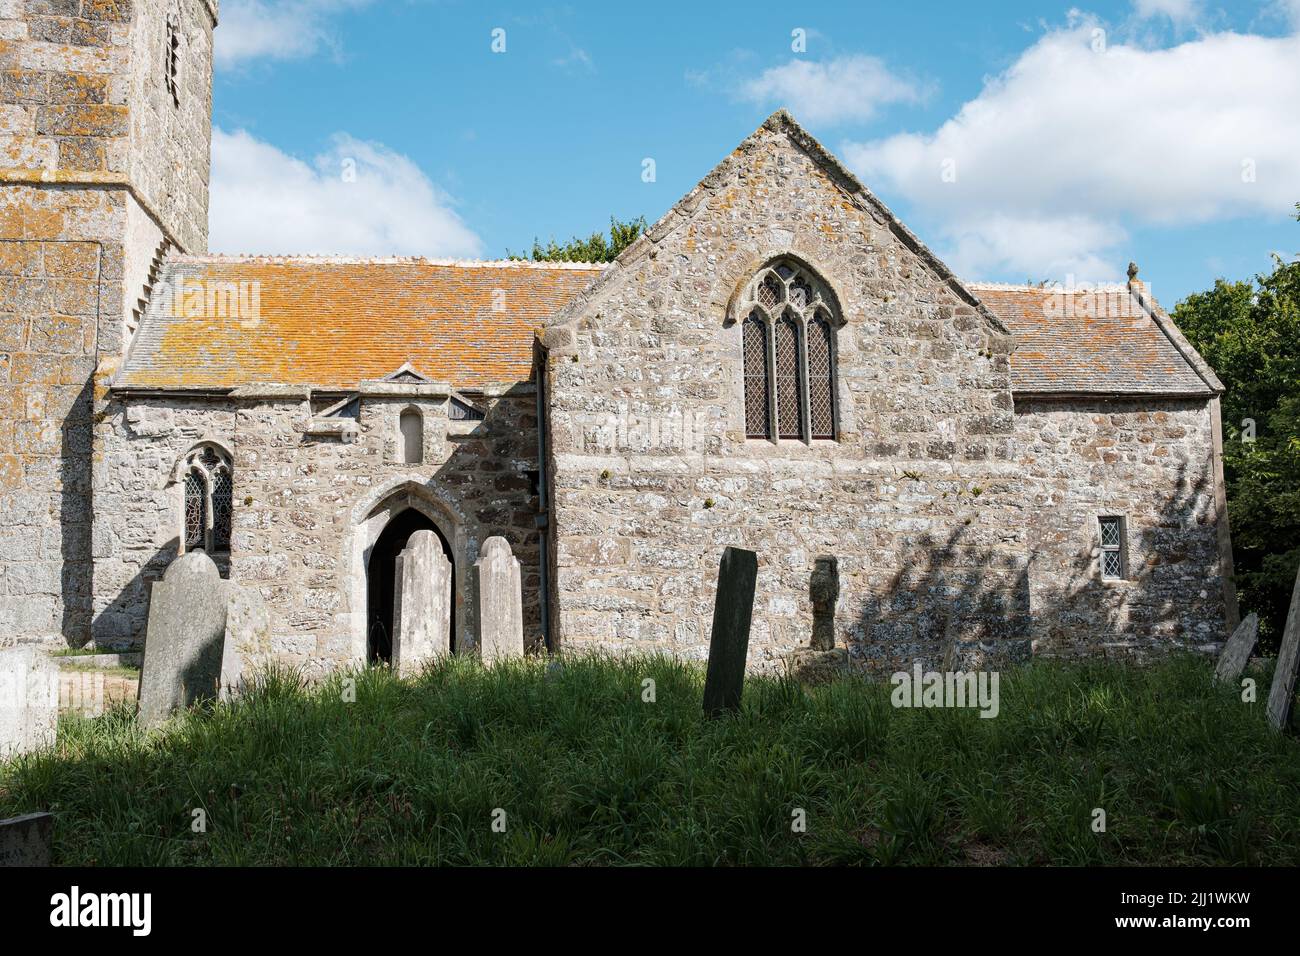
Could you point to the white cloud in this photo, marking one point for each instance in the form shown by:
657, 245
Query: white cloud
266, 201
1179, 11
1058, 153
275, 29
845, 89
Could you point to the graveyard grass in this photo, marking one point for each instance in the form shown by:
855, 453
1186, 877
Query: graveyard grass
589, 774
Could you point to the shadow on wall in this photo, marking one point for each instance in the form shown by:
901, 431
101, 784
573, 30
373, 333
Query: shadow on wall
76, 511
968, 605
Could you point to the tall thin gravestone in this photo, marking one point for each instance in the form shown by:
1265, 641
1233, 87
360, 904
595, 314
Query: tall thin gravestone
27, 840
183, 638
498, 591
247, 642
1282, 695
733, 611
421, 604
1235, 654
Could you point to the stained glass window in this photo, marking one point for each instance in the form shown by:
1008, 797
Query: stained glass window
196, 510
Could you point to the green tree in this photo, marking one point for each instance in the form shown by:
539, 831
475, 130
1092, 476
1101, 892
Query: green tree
1249, 332
595, 248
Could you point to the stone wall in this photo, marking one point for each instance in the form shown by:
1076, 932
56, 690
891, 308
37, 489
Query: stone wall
56, 275
304, 505
652, 475
1150, 461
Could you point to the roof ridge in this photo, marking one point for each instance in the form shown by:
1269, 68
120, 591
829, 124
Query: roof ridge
311, 259
1058, 289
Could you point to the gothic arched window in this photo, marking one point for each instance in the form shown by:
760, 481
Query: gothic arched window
789, 354
209, 487
411, 426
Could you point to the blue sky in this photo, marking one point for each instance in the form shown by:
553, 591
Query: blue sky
1021, 141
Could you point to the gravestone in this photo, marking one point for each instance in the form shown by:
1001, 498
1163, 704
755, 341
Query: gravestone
247, 641
1282, 695
1235, 654
421, 604
733, 611
498, 593
29, 701
183, 638
27, 840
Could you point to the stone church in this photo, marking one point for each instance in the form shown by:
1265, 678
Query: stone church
777, 364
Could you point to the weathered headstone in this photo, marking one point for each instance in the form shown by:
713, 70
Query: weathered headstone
27, 840
247, 641
183, 637
498, 593
824, 589
29, 701
1235, 653
1282, 695
733, 611
421, 604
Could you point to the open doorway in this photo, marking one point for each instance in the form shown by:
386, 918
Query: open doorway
380, 581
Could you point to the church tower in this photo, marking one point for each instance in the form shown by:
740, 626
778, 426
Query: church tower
105, 140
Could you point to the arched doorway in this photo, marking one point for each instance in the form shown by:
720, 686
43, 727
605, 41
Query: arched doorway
380, 580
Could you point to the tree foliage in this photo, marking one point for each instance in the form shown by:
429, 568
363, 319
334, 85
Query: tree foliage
595, 248
1249, 332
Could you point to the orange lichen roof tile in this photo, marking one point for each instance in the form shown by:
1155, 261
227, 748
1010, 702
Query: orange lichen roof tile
217, 322
1098, 340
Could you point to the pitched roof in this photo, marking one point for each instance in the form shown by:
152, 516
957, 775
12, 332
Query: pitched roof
332, 323
1102, 340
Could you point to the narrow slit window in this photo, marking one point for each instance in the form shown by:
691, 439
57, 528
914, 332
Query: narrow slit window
412, 428
171, 58
757, 394
1114, 554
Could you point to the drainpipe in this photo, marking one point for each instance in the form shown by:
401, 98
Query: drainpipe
543, 495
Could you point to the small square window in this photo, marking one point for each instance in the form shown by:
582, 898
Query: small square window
1114, 554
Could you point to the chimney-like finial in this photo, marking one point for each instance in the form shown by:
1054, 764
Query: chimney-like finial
1132, 271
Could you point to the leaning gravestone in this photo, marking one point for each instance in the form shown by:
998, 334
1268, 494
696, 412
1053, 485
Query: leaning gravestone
27, 840
1282, 695
247, 641
1235, 654
498, 592
421, 604
29, 701
183, 638
733, 611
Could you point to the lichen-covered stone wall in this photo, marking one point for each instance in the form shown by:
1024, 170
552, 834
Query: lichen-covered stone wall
652, 475
1149, 460
307, 506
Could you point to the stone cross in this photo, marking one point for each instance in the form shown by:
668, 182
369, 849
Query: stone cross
824, 588
421, 604
733, 610
247, 641
499, 594
27, 840
1235, 654
1282, 695
183, 637
29, 701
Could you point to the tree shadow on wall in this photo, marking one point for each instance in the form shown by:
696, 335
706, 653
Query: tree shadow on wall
964, 601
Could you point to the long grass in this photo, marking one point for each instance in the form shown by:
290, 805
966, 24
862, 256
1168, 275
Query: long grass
573, 766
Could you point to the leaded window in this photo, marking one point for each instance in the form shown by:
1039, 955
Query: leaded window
758, 395
1114, 554
788, 343
209, 492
